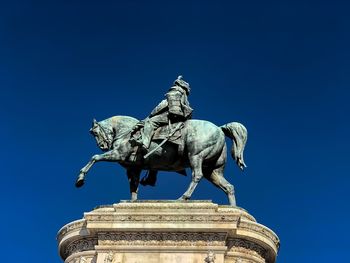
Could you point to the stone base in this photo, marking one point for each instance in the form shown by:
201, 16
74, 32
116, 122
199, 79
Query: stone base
167, 231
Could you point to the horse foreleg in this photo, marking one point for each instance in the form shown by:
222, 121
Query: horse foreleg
108, 156
134, 179
197, 174
83, 172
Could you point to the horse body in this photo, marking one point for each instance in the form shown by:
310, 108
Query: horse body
195, 133
204, 152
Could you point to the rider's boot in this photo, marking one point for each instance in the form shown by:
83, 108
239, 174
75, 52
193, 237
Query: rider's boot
150, 178
136, 141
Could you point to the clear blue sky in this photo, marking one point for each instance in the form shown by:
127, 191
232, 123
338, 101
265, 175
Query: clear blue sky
279, 67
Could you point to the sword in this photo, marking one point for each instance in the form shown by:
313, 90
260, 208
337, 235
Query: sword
164, 141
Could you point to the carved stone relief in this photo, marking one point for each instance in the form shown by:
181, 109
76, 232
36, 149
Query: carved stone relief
210, 257
80, 245
109, 257
162, 238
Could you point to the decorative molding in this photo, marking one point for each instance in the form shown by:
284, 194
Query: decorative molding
261, 230
83, 259
203, 218
246, 247
70, 227
162, 239
172, 204
80, 245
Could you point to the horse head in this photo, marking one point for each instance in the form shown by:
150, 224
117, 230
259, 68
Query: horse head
103, 134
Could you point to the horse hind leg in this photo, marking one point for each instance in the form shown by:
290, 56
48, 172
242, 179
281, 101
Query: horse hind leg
197, 174
216, 177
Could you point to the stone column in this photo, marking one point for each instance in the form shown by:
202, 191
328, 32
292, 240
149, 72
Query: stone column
167, 231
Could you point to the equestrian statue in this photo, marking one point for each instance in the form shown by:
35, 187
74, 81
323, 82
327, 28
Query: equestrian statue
169, 140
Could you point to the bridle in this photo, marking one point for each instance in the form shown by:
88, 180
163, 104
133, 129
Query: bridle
104, 135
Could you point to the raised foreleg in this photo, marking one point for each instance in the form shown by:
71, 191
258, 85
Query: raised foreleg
110, 156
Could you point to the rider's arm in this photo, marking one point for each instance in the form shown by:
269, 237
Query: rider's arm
159, 109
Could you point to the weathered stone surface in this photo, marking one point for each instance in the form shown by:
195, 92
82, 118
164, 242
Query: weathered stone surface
167, 231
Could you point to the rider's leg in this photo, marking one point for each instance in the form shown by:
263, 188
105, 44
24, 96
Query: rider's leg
151, 125
150, 178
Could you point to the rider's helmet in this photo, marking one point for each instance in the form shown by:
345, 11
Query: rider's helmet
183, 84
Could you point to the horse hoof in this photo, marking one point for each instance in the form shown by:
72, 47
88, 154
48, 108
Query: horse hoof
79, 183
183, 198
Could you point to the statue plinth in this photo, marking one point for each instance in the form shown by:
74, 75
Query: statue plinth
167, 231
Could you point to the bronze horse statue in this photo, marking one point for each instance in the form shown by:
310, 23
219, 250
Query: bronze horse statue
204, 152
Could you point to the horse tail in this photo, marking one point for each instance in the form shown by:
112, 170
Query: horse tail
238, 134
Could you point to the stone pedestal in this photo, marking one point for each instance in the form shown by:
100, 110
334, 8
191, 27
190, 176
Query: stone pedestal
169, 232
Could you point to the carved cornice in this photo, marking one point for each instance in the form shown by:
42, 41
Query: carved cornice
246, 247
161, 218
76, 225
80, 245
261, 230
168, 204
161, 239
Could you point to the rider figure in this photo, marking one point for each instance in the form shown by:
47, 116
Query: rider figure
175, 108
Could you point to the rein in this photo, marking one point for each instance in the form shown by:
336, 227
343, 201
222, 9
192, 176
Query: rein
105, 136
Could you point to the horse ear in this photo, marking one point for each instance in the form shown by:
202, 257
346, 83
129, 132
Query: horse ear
94, 121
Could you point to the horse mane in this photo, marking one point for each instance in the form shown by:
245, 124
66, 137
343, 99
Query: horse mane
118, 125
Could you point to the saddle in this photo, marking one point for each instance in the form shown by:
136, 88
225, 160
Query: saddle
163, 132
160, 134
